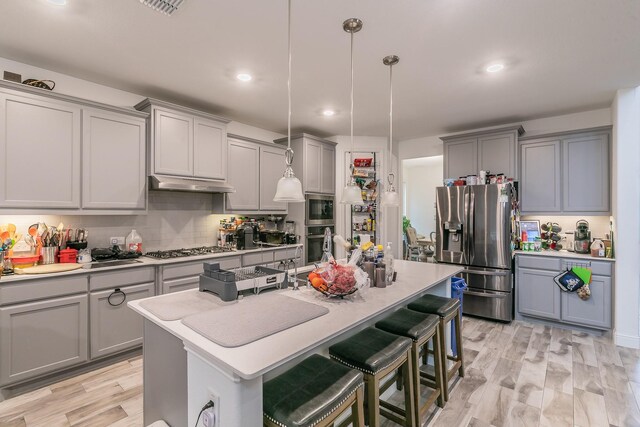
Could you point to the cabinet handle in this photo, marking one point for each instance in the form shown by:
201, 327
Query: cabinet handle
485, 295
487, 273
116, 292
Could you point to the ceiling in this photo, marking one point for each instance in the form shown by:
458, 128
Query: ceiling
561, 57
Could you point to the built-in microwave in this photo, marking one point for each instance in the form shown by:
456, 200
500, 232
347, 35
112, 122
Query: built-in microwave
320, 210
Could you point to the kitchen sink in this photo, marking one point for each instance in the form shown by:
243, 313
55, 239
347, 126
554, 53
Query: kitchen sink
113, 263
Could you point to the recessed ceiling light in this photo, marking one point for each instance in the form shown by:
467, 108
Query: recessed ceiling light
328, 113
244, 77
494, 68
58, 2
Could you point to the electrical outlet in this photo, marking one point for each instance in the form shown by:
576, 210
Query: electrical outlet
117, 241
213, 414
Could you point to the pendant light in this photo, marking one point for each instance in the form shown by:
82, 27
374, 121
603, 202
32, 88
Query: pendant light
390, 196
289, 187
351, 193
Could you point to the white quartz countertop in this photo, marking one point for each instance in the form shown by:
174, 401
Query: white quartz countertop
256, 358
563, 254
143, 262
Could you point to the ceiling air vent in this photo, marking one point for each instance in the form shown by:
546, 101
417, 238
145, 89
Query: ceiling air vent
165, 6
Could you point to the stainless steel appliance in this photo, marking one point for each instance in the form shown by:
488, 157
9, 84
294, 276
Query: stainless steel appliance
582, 237
474, 230
319, 210
314, 238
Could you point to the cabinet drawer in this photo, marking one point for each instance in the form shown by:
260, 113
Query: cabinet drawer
539, 262
601, 268
256, 258
114, 326
120, 278
283, 254
30, 290
195, 267
42, 337
183, 284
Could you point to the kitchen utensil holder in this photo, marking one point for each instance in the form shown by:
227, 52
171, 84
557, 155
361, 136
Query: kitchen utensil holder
76, 245
48, 255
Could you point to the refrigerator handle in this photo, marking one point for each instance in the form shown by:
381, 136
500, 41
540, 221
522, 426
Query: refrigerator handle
470, 225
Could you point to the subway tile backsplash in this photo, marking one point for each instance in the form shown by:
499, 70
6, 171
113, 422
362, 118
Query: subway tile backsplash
174, 220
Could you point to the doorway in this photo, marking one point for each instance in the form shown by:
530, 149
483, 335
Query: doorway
420, 177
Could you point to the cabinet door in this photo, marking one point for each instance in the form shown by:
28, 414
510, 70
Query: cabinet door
596, 311
114, 326
244, 175
460, 158
328, 170
209, 149
41, 337
497, 153
182, 284
113, 161
312, 166
586, 173
271, 169
540, 176
538, 295
173, 143
40, 146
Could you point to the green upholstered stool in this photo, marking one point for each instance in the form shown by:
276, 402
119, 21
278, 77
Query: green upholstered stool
421, 328
448, 309
377, 353
313, 393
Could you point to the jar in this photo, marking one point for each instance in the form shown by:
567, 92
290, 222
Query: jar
472, 180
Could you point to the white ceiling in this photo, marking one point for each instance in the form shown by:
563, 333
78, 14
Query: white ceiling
562, 56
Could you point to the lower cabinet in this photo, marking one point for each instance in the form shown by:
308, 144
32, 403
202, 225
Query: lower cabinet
182, 284
539, 296
114, 326
40, 337
186, 275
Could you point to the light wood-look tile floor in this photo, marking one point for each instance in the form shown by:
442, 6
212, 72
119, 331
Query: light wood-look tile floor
516, 375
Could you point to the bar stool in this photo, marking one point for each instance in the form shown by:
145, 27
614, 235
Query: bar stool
376, 354
421, 328
313, 393
448, 309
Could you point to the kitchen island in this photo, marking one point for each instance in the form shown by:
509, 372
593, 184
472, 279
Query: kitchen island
183, 370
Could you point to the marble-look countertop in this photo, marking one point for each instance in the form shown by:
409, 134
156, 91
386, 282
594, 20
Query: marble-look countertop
563, 254
254, 359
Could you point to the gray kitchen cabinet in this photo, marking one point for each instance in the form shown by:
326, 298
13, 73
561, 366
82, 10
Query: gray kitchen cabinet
272, 166
538, 295
113, 161
461, 158
209, 149
114, 326
492, 150
328, 172
596, 311
314, 163
186, 275
40, 337
540, 176
173, 143
182, 284
244, 176
40, 146
585, 160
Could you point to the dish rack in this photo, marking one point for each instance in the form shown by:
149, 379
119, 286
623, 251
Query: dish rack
258, 278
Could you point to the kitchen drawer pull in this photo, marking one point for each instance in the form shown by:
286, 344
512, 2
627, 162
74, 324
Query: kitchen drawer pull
485, 295
487, 273
117, 291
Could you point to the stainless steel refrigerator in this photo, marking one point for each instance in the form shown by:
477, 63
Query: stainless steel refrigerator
473, 229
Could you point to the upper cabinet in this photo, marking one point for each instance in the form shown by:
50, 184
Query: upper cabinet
271, 169
68, 154
185, 143
314, 163
566, 173
493, 151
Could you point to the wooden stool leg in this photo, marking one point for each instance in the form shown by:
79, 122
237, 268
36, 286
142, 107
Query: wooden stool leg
460, 356
443, 359
358, 409
415, 361
373, 399
409, 392
437, 366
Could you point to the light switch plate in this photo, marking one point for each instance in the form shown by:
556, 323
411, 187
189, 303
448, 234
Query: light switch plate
116, 241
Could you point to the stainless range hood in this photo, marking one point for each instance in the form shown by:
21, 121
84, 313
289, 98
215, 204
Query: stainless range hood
160, 182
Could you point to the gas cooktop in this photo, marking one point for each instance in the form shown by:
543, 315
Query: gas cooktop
179, 253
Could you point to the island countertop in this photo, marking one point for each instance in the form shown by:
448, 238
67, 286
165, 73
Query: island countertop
256, 358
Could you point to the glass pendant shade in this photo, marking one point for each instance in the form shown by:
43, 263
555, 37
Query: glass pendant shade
390, 198
351, 195
289, 189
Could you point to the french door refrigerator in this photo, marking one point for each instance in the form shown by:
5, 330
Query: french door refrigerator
473, 229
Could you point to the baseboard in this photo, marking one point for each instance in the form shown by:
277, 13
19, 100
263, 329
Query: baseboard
629, 341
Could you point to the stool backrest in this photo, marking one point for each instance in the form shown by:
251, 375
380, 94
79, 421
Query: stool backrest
412, 236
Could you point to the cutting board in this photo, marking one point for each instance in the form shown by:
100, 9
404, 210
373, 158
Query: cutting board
48, 268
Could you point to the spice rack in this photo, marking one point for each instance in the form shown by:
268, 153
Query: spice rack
364, 219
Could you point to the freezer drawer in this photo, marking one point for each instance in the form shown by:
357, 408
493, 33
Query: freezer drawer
488, 279
488, 304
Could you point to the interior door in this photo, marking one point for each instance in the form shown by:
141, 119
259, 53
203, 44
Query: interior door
489, 225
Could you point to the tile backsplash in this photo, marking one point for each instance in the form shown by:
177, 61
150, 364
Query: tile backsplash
174, 220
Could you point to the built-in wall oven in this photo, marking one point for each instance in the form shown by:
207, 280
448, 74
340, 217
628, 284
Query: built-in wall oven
314, 238
319, 210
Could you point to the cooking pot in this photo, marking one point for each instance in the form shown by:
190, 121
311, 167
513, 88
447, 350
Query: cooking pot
274, 237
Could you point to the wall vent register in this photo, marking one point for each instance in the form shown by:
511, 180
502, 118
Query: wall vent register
168, 7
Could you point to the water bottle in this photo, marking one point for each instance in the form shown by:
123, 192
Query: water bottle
388, 263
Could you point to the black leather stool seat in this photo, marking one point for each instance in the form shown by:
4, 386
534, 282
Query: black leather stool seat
409, 323
370, 350
307, 393
434, 304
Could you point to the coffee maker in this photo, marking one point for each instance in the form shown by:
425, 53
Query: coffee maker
245, 237
582, 237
